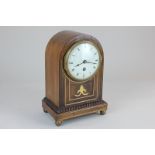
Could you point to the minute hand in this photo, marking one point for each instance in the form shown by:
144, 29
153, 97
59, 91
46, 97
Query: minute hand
90, 62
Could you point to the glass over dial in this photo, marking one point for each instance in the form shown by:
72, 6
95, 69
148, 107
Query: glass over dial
82, 61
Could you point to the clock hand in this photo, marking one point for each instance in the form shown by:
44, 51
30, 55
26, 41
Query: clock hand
84, 61
78, 64
91, 62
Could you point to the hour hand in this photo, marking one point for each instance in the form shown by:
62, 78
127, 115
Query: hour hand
78, 64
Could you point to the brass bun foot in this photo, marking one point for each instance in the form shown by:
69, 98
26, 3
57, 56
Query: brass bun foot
102, 112
58, 122
45, 111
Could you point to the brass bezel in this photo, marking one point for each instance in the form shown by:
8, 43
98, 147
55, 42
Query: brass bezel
67, 56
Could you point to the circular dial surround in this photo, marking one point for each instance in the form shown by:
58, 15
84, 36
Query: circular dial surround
82, 60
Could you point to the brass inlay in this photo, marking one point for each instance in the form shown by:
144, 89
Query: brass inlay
73, 99
79, 97
82, 91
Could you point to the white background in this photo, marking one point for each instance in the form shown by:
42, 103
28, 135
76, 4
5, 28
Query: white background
128, 86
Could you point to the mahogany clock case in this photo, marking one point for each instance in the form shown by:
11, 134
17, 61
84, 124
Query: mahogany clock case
128, 81
61, 99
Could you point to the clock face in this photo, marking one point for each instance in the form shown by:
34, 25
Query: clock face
82, 61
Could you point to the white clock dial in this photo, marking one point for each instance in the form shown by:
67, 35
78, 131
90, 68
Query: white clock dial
82, 61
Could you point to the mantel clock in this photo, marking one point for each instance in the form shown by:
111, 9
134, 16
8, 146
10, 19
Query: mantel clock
73, 74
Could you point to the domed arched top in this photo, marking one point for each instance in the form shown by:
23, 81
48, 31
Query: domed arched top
62, 44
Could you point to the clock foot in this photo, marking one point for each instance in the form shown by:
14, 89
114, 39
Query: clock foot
102, 112
58, 122
45, 111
